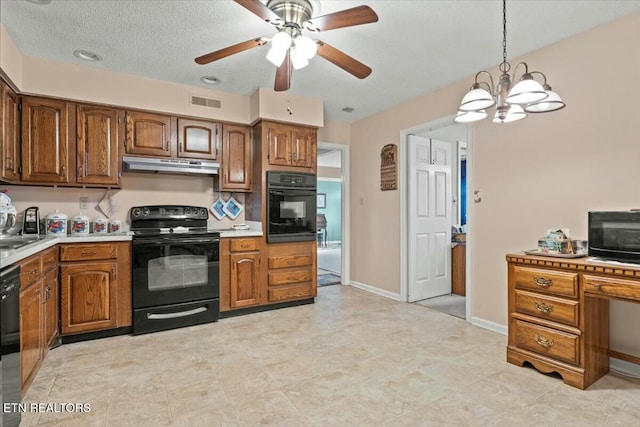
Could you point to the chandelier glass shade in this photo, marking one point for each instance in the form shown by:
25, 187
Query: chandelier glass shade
512, 101
301, 48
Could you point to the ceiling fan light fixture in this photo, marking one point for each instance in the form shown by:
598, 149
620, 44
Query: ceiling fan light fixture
276, 55
298, 58
282, 40
307, 47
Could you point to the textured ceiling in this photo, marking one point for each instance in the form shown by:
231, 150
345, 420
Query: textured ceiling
414, 48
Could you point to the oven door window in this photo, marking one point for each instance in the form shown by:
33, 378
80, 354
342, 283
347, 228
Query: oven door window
171, 272
292, 211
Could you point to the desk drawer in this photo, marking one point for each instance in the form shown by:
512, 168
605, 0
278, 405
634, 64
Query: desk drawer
546, 281
547, 307
608, 287
546, 341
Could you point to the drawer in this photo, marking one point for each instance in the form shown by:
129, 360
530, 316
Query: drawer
290, 292
243, 245
546, 281
285, 277
87, 252
49, 259
30, 270
549, 342
290, 261
547, 307
608, 287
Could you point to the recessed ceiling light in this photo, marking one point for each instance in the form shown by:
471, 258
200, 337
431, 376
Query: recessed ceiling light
210, 80
86, 55
39, 1
348, 109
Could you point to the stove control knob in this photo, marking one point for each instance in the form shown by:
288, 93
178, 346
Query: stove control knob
136, 212
145, 212
203, 212
187, 211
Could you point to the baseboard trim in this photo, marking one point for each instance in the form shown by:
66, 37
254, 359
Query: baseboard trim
492, 326
625, 368
374, 290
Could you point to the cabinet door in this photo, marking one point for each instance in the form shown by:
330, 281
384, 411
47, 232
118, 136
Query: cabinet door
97, 132
279, 150
45, 143
302, 148
50, 302
30, 332
245, 268
88, 297
197, 139
236, 158
148, 134
9, 134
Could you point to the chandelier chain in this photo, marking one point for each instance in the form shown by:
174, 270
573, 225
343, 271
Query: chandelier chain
504, 30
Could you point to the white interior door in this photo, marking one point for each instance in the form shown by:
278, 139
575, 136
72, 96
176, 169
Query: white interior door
429, 218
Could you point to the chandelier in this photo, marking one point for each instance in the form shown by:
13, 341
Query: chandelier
512, 103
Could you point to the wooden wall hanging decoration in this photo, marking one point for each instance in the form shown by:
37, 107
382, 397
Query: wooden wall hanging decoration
389, 167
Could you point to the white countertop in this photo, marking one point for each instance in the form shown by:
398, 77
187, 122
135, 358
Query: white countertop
8, 257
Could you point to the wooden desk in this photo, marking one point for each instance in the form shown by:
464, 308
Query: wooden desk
559, 314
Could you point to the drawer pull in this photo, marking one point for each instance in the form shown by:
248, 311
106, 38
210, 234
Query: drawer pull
291, 261
542, 282
597, 286
543, 308
544, 342
32, 272
87, 253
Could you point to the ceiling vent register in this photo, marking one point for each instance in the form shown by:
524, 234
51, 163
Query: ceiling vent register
205, 102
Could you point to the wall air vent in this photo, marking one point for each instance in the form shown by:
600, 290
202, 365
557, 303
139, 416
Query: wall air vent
205, 102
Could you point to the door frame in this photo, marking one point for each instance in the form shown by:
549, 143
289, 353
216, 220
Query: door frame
345, 210
403, 187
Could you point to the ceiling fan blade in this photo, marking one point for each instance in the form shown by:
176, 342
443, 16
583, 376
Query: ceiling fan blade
259, 9
283, 75
343, 60
227, 51
345, 18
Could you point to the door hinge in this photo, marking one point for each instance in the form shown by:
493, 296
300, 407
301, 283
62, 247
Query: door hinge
19, 169
20, 106
119, 119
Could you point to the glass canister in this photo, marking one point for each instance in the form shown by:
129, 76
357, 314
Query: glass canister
80, 224
115, 226
100, 225
56, 223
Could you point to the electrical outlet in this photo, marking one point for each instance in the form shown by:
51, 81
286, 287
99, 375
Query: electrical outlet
84, 203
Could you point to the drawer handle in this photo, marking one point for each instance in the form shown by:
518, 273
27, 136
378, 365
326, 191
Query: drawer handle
291, 261
545, 342
543, 308
86, 253
244, 245
32, 272
542, 282
597, 286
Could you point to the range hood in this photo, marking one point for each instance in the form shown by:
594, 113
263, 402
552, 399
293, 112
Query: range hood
175, 166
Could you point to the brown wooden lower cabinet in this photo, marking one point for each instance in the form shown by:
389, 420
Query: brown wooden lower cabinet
95, 286
292, 271
240, 273
38, 311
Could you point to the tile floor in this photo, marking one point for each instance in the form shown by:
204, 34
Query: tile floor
351, 359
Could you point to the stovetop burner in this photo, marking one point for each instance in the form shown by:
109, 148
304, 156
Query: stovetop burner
168, 219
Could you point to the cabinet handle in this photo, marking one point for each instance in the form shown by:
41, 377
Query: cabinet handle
544, 342
597, 286
32, 272
543, 308
179, 146
542, 282
86, 253
62, 170
291, 261
166, 146
10, 161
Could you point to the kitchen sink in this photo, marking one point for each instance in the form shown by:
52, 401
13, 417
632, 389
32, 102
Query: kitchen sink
16, 242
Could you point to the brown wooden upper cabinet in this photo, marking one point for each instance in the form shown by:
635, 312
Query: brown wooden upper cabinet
197, 139
291, 145
235, 172
45, 142
148, 134
98, 135
9, 134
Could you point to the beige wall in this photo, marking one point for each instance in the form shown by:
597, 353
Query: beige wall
546, 171
286, 107
335, 132
139, 189
10, 58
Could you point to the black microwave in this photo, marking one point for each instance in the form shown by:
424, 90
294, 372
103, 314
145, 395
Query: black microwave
615, 235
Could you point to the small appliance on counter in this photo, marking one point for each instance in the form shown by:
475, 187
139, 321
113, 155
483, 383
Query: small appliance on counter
31, 221
56, 223
80, 225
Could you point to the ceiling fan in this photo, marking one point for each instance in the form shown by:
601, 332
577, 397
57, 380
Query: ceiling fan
289, 48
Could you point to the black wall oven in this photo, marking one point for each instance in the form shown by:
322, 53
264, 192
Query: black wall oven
291, 206
175, 270
615, 235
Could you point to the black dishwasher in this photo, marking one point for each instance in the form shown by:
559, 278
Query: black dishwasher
10, 344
